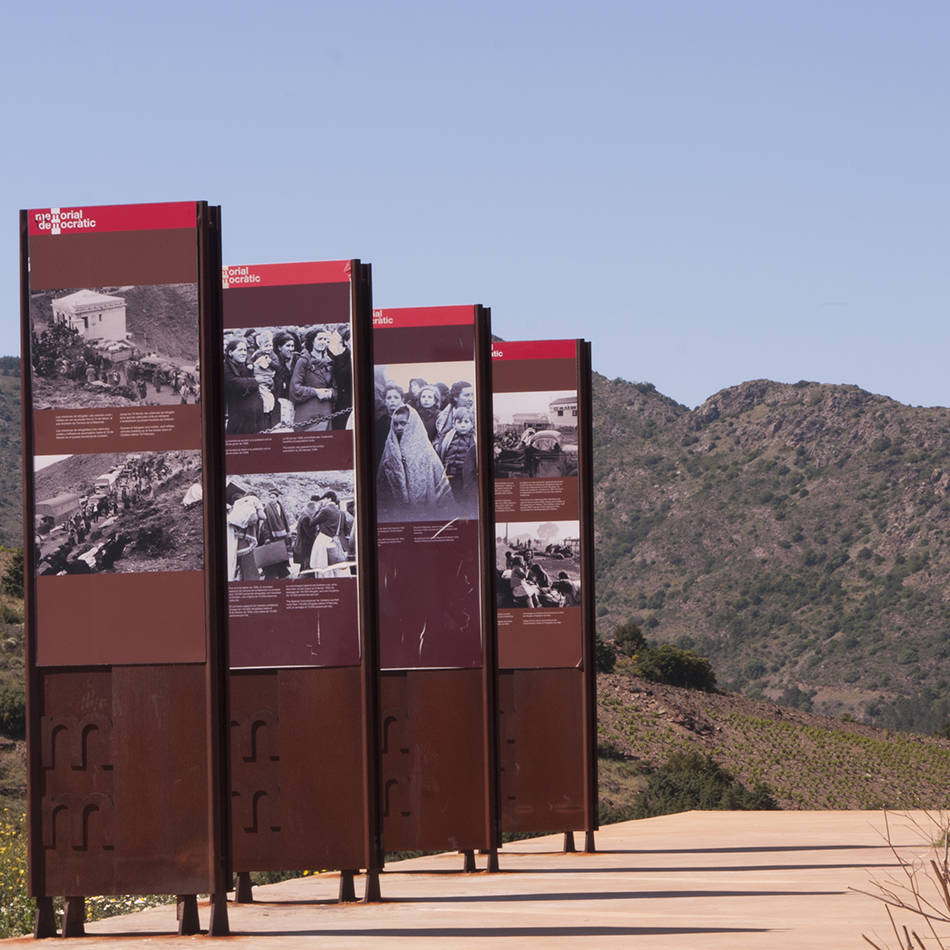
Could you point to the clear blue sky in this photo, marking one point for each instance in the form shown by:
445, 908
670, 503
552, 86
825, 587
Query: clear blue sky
709, 190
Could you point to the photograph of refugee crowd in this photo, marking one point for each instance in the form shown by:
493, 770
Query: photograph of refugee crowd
291, 526
118, 513
286, 379
535, 434
115, 346
538, 565
427, 466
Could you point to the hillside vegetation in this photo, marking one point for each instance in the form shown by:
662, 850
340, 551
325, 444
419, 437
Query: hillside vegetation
806, 761
797, 535
11, 470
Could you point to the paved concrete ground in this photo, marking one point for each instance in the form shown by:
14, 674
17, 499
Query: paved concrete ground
710, 880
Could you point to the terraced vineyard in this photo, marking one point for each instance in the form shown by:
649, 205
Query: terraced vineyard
807, 761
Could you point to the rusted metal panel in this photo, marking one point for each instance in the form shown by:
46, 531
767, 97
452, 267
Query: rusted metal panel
75, 801
434, 779
161, 825
255, 770
323, 798
542, 741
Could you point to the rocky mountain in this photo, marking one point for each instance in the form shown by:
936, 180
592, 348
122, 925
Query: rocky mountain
797, 535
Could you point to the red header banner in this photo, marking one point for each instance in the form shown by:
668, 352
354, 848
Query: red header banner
285, 275
535, 350
423, 317
83, 220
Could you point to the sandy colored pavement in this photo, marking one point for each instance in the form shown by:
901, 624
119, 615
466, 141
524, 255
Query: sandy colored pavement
709, 880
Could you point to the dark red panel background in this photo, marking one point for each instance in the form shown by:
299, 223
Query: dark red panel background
186, 431
294, 637
294, 304
115, 258
429, 614
90, 619
423, 344
297, 452
525, 376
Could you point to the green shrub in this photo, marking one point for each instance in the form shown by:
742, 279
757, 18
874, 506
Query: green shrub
629, 639
11, 583
13, 712
605, 655
675, 667
690, 781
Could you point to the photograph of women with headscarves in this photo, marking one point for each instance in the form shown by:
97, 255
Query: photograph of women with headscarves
411, 483
403, 390
285, 351
242, 395
312, 388
270, 356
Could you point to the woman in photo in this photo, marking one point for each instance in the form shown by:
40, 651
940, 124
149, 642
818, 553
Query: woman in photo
411, 482
312, 388
343, 379
241, 391
333, 527
306, 535
285, 351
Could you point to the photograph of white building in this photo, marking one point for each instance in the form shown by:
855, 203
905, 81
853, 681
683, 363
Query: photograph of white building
95, 316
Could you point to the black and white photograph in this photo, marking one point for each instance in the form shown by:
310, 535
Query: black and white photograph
538, 564
291, 526
287, 379
118, 513
535, 434
427, 464
95, 347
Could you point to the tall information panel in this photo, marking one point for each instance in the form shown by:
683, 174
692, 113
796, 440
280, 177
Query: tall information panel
433, 428
301, 568
123, 470
544, 575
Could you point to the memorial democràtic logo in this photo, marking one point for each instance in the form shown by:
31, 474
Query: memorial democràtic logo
56, 220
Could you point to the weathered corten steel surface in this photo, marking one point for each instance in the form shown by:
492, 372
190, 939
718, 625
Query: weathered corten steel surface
541, 749
433, 782
89, 846
716, 880
285, 813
